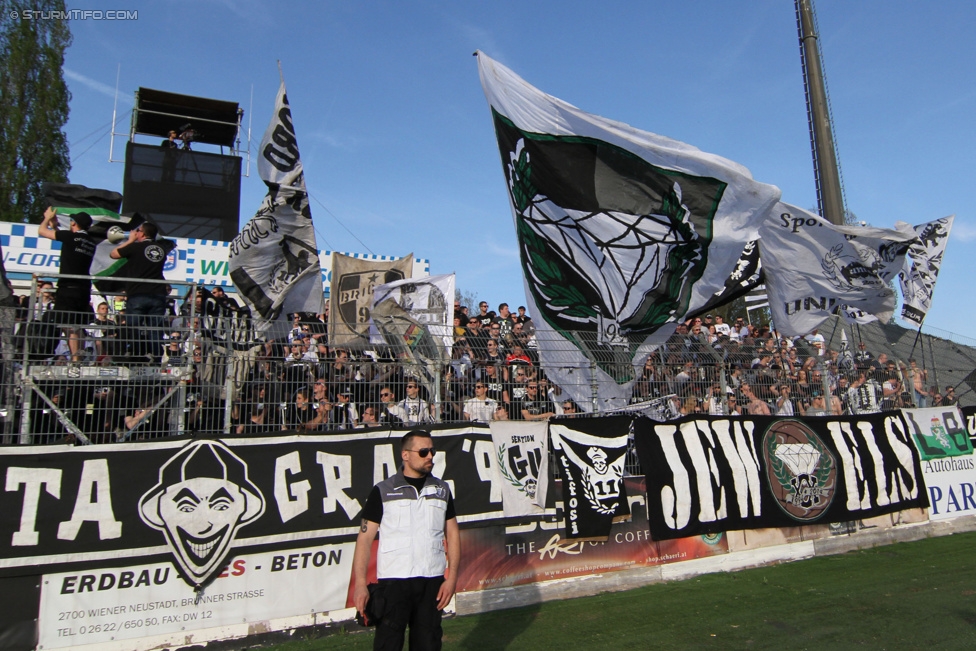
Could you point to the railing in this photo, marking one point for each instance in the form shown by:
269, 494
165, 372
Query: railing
200, 369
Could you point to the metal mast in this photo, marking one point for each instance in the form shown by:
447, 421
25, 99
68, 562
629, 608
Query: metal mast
830, 189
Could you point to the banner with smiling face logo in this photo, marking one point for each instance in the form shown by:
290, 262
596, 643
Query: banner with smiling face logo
203, 497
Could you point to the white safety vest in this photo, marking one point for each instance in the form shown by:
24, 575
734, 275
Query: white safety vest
412, 529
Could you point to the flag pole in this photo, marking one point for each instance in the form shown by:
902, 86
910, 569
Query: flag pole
280, 73
918, 335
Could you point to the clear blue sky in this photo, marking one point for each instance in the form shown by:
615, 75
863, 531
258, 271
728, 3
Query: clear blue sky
397, 144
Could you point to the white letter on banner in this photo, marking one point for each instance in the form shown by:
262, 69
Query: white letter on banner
337, 473
94, 474
903, 453
705, 471
744, 463
676, 501
32, 479
292, 498
483, 451
880, 478
384, 466
840, 432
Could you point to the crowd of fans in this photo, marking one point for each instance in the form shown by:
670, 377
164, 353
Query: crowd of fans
211, 373
709, 366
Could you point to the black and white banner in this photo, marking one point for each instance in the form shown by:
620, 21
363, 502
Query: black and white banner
273, 261
590, 453
426, 301
714, 474
522, 462
922, 267
197, 503
815, 269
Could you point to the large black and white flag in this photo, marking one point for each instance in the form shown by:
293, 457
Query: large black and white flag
621, 232
814, 269
714, 474
590, 453
522, 462
922, 267
273, 261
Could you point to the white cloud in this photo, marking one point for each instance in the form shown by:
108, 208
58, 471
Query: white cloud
497, 250
335, 140
96, 86
963, 232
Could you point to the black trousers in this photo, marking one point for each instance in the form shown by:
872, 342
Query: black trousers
413, 603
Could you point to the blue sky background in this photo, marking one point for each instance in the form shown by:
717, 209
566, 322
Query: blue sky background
397, 143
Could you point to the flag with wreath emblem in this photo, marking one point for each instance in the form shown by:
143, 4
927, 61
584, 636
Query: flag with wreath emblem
522, 463
589, 453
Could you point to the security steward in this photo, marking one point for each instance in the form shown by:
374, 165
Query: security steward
413, 511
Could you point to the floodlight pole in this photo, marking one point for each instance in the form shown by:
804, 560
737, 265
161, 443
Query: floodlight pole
830, 192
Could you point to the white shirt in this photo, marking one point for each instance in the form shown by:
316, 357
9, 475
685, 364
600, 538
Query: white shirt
480, 410
413, 411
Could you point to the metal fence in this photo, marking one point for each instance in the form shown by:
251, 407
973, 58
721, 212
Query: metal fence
199, 368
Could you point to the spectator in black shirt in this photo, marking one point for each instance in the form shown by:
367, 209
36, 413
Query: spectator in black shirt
145, 305
536, 406
72, 301
483, 317
228, 306
950, 399
299, 412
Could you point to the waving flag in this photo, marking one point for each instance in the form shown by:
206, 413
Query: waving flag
815, 269
351, 296
621, 232
103, 207
429, 301
922, 270
273, 261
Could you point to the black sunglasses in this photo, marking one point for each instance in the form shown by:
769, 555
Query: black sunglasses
423, 452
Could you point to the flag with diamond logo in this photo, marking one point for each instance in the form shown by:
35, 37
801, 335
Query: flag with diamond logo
621, 232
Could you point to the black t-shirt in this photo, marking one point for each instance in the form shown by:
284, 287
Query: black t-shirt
495, 387
536, 407
516, 394
77, 251
145, 260
373, 511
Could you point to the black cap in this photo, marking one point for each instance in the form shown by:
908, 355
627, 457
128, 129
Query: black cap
83, 220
